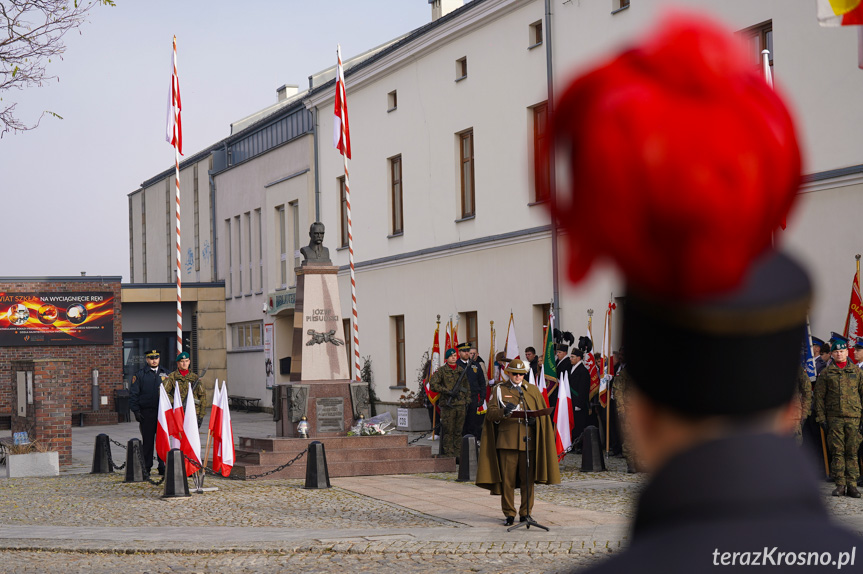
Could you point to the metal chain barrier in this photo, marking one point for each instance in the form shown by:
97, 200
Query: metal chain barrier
111, 463
419, 438
209, 470
140, 459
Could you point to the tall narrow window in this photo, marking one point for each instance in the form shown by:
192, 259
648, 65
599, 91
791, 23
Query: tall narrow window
239, 232
472, 330
541, 174
343, 209
259, 222
249, 247
197, 222
467, 180
461, 69
283, 248
760, 38
295, 223
229, 276
400, 349
396, 194
535, 36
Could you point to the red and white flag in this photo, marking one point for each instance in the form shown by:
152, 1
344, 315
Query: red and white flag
840, 12
455, 334
190, 444
538, 381
215, 412
563, 420
175, 422
223, 449
854, 319
163, 432
174, 124
511, 347
435, 365
341, 129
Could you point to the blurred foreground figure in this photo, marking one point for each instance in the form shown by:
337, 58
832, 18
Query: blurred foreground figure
700, 159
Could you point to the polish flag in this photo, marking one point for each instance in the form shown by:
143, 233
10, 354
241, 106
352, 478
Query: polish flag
215, 412
191, 441
435, 365
162, 428
174, 124
175, 420
341, 131
563, 421
540, 384
223, 449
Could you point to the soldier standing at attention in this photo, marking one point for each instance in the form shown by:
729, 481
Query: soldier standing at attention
144, 403
838, 406
183, 377
476, 380
502, 455
454, 396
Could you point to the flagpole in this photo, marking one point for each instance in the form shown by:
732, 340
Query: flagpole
206, 455
177, 186
608, 390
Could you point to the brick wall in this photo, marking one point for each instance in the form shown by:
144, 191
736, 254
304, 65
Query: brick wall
83, 358
48, 419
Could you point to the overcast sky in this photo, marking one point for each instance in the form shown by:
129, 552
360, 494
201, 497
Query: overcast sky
65, 184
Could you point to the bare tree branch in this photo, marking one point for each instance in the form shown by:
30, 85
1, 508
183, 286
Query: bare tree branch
31, 35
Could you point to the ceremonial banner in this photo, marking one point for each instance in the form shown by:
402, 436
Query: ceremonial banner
854, 319
840, 12
80, 318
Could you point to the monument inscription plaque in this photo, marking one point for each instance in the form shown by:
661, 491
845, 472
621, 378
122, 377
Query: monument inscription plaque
331, 414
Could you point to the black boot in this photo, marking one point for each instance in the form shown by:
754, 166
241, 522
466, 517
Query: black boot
840, 490
851, 490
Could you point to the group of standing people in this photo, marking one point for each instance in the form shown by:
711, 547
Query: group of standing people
144, 398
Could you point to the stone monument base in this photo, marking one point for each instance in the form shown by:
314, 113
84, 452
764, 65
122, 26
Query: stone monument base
328, 409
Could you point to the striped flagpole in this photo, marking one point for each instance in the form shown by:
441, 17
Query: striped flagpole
343, 144
175, 89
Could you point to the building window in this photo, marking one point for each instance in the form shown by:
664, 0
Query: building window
535, 34
468, 207
392, 101
259, 222
144, 235
295, 223
283, 245
542, 174
399, 321
759, 38
131, 244
472, 328
249, 247
343, 209
461, 69
197, 222
172, 249
618, 5
239, 232
246, 336
230, 259
396, 194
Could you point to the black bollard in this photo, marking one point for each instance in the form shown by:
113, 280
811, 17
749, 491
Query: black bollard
134, 472
591, 451
317, 475
467, 460
101, 454
176, 485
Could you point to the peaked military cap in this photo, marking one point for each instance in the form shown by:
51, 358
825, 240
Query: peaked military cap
464, 347
152, 354
817, 341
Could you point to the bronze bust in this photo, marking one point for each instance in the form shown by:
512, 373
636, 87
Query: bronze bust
315, 252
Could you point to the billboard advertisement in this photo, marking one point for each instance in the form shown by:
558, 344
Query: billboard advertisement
34, 319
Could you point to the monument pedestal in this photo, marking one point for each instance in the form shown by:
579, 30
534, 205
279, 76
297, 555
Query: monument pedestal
328, 408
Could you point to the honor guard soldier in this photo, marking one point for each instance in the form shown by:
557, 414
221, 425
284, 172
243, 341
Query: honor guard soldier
727, 480
503, 454
454, 396
476, 379
144, 404
838, 408
182, 378
803, 396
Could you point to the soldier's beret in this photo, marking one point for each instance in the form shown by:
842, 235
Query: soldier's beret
838, 342
182, 356
448, 353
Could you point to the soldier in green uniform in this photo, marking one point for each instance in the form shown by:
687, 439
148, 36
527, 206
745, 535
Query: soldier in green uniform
804, 396
454, 396
838, 406
182, 377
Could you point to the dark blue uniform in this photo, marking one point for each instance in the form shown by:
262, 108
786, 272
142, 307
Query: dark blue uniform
144, 403
476, 379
